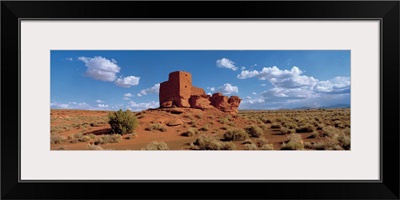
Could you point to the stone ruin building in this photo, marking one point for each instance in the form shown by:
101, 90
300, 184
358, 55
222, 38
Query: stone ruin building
178, 91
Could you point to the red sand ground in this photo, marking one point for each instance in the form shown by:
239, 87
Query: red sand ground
172, 136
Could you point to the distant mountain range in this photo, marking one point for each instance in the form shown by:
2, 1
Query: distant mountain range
331, 106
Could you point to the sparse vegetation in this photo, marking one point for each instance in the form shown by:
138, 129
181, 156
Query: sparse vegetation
114, 138
295, 143
155, 145
207, 142
254, 131
190, 132
122, 122
94, 147
57, 139
235, 135
158, 127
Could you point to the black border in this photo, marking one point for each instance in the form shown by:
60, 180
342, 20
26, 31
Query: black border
386, 11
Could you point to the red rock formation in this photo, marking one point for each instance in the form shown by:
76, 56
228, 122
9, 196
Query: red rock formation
178, 91
200, 101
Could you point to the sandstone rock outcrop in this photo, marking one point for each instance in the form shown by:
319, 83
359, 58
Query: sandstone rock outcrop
179, 92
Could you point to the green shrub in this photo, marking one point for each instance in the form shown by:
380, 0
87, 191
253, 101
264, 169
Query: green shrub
267, 147
235, 135
207, 142
122, 122
254, 131
158, 127
157, 146
313, 135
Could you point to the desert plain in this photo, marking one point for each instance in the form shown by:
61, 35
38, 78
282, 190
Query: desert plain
204, 129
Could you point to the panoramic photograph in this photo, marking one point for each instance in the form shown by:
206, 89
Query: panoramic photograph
200, 100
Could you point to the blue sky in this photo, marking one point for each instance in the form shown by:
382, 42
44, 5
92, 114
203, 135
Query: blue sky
263, 79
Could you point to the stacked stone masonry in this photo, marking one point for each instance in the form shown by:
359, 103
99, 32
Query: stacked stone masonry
179, 92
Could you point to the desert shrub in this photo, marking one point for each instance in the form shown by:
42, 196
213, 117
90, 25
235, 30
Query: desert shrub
248, 141
207, 142
254, 131
84, 138
330, 131
78, 135
235, 135
285, 131
313, 135
295, 143
305, 128
157, 146
231, 124
122, 122
92, 136
158, 127
267, 147
289, 125
264, 127
223, 120
204, 128
308, 145
276, 125
57, 139
261, 142
114, 138
250, 147
190, 132
131, 136
329, 144
266, 120
344, 141
320, 126
94, 147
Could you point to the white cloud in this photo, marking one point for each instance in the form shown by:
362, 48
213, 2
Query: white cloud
226, 63
336, 85
69, 59
126, 98
71, 105
242, 68
128, 95
103, 69
99, 101
142, 106
254, 93
127, 82
263, 84
102, 106
212, 89
227, 88
100, 68
153, 90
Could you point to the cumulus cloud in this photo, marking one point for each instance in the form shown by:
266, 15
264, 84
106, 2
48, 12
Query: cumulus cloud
102, 105
142, 106
127, 82
153, 90
212, 89
226, 63
337, 85
100, 68
227, 88
283, 78
99, 101
293, 88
